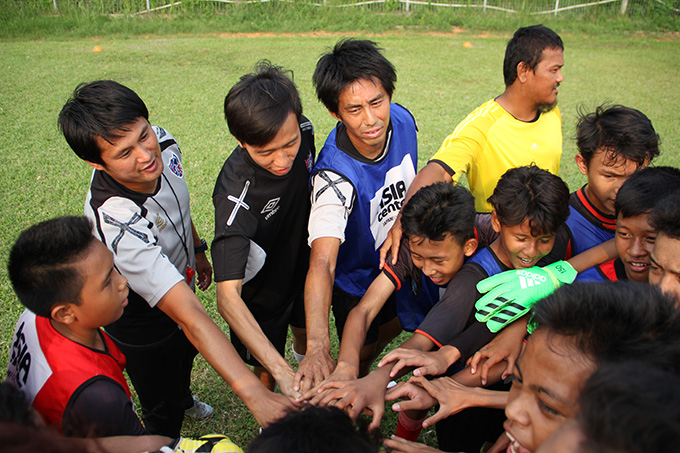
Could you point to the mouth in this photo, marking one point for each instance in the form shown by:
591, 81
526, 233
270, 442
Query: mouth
282, 171
373, 133
151, 167
125, 302
437, 280
525, 262
638, 266
515, 446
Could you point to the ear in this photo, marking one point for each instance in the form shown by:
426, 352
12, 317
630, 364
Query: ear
62, 312
335, 115
522, 71
495, 223
470, 247
581, 164
96, 166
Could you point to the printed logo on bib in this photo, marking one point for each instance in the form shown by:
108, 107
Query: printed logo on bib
309, 162
389, 199
271, 208
175, 165
25, 369
160, 132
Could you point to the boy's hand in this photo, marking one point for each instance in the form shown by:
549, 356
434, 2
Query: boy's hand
397, 444
506, 346
414, 397
429, 363
511, 294
391, 244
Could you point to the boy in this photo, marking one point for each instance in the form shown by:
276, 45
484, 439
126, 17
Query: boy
519, 127
613, 142
664, 270
60, 358
358, 186
529, 206
438, 226
261, 199
139, 204
66, 367
635, 236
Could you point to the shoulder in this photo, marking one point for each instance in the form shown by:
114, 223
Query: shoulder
403, 115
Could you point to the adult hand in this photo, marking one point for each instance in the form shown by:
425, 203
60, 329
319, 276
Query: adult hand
365, 394
391, 244
510, 294
270, 407
507, 346
415, 397
314, 368
431, 363
398, 444
285, 383
203, 271
314, 395
452, 397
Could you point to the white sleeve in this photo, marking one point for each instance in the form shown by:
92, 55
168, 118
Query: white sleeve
136, 252
332, 203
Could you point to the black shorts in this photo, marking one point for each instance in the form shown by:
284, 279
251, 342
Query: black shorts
275, 329
343, 303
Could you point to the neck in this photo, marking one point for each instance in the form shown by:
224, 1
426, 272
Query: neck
86, 337
498, 250
369, 152
515, 103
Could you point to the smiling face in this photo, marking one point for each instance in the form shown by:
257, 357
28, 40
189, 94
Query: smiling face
364, 108
440, 260
133, 160
543, 82
665, 268
104, 293
516, 247
635, 239
605, 178
277, 156
548, 378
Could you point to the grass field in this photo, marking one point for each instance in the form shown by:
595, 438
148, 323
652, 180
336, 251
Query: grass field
183, 79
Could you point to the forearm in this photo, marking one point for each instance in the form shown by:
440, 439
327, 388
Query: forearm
318, 297
242, 322
182, 305
482, 397
594, 256
429, 174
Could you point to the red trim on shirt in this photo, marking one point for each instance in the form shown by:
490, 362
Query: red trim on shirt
429, 336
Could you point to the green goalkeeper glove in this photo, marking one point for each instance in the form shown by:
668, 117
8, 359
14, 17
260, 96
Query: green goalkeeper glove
510, 294
210, 443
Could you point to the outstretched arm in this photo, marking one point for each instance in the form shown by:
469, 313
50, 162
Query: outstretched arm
182, 305
318, 364
203, 267
234, 310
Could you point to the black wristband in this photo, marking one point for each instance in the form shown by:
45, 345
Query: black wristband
201, 248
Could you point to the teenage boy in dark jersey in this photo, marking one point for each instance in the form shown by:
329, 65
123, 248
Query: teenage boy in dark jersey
139, 203
613, 143
260, 253
358, 186
529, 206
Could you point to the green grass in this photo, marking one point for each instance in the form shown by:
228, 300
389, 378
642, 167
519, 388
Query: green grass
183, 79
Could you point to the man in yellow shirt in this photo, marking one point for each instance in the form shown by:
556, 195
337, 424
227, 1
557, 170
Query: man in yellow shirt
520, 127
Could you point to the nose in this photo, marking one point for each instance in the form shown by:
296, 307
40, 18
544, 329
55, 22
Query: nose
123, 281
514, 409
282, 160
144, 154
531, 249
428, 268
369, 116
560, 78
637, 248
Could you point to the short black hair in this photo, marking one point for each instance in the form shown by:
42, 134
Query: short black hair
42, 263
618, 131
526, 46
440, 209
534, 194
630, 408
644, 189
349, 61
665, 217
99, 109
258, 105
313, 430
614, 321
